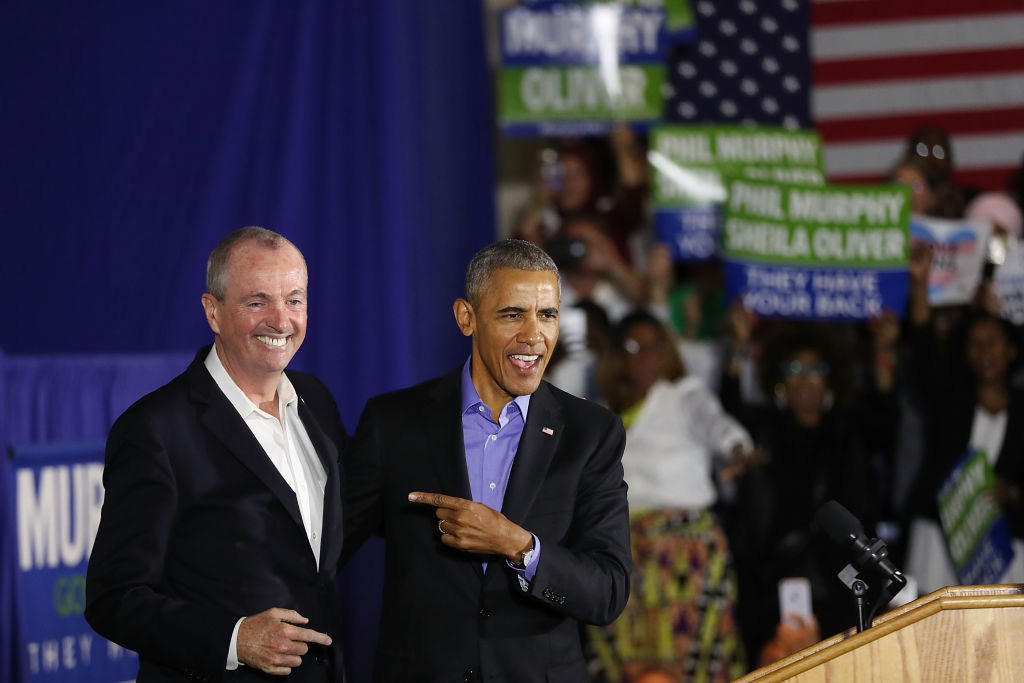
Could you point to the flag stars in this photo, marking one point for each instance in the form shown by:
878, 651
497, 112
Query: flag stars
686, 110
770, 65
728, 67
707, 48
727, 27
667, 91
728, 108
748, 46
790, 122
791, 84
708, 89
705, 8
770, 105
748, 6
790, 5
769, 25
790, 43
686, 69
749, 87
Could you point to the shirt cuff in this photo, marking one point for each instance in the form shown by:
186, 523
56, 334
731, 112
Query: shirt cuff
527, 573
233, 662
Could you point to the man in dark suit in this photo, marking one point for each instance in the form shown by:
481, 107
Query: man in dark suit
221, 525
500, 497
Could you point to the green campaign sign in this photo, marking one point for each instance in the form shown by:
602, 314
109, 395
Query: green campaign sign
973, 523
691, 166
830, 252
575, 67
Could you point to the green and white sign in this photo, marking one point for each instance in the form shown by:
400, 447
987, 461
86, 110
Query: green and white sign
973, 523
691, 167
574, 68
828, 252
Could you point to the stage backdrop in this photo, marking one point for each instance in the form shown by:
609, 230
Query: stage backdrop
134, 135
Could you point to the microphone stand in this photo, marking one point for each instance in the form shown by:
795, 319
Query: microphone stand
850, 576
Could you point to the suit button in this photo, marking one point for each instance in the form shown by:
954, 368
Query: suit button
484, 613
469, 675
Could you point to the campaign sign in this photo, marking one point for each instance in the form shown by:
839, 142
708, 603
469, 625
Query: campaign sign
830, 252
574, 68
958, 255
975, 530
58, 492
1009, 281
691, 167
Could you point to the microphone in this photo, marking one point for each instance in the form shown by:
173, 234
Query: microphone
844, 529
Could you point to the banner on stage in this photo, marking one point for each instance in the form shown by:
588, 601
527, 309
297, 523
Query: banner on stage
958, 255
574, 68
57, 492
975, 530
692, 165
830, 252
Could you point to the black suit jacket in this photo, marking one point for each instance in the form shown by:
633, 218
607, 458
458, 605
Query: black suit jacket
198, 529
444, 618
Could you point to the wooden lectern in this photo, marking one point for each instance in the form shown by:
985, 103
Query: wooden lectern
959, 633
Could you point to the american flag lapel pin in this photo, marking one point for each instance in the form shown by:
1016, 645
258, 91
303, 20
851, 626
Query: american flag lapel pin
549, 431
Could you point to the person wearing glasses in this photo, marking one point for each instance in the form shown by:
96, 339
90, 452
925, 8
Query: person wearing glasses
680, 446
819, 446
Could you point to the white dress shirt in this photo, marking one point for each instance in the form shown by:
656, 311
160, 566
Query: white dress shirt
287, 444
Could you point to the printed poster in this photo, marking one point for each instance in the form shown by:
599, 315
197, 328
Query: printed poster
575, 68
958, 255
691, 166
975, 530
834, 252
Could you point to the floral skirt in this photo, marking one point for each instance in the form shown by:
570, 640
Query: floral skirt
680, 619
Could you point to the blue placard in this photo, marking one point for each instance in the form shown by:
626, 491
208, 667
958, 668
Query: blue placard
57, 491
789, 291
563, 34
692, 233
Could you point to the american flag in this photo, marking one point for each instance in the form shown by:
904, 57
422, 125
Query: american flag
865, 73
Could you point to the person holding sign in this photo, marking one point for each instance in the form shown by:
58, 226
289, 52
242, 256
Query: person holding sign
221, 525
677, 439
970, 407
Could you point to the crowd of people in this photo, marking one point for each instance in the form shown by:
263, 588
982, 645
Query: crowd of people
739, 429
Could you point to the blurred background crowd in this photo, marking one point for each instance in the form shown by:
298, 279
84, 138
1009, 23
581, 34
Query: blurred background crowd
739, 429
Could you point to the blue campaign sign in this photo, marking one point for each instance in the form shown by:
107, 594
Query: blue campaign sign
569, 33
691, 232
57, 491
807, 292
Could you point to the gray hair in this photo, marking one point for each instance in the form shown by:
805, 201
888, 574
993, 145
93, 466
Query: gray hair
217, 264
515, 254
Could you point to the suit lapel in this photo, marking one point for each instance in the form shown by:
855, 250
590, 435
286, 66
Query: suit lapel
541, 435
444, 430
328, 454
220, 417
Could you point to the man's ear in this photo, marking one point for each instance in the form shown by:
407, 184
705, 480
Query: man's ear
465, 317
210, 307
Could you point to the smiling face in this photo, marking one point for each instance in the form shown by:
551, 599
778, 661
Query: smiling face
989, 352
261, 320
514, 327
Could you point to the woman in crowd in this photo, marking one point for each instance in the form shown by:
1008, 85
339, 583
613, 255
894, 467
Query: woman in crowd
680, 616
973, 406
817, 448
570, 183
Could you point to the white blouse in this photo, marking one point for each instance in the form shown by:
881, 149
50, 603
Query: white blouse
671, 443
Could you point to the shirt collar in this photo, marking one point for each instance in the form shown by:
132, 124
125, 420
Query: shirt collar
243, 404
471, 399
